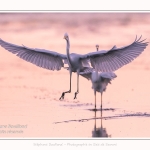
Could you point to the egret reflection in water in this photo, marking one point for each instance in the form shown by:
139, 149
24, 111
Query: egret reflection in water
99, 132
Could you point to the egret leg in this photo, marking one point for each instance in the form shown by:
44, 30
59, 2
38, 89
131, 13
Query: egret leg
63, 94
95, 121
95, 99
101, 101
75, 95
101, 118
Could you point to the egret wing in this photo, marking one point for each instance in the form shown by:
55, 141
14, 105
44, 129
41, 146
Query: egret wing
86, 73
108, 75
115, 58
43, 58
114, 47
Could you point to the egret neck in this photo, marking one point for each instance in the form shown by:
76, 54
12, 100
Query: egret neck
67, 50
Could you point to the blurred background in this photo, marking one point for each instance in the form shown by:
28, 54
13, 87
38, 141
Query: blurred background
30, 94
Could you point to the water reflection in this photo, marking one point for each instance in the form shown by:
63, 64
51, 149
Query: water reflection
99, 132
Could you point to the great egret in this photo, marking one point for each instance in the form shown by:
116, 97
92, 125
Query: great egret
99, 80
105, 61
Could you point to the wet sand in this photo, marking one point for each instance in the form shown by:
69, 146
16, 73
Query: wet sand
30, 95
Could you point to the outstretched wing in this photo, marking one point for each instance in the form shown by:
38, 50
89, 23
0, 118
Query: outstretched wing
115, 58
108, 75
114, 47
86, 73
40, 57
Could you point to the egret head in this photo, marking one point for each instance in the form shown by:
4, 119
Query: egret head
97, 47
66, 37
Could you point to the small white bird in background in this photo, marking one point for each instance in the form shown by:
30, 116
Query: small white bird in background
104, 61
99, 80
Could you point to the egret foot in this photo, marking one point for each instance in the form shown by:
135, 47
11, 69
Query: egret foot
62, 96
75, 95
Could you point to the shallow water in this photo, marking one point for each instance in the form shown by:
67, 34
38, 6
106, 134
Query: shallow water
30, 95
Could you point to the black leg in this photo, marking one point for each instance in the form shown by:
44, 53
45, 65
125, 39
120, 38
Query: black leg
75, 95
63, 94
101, 101
95, 121
95, 99
101, 118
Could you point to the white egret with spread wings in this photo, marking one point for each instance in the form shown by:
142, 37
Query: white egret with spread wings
99, 80
104, 61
